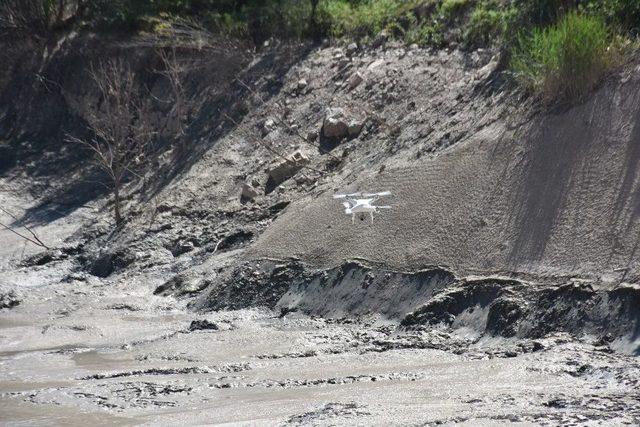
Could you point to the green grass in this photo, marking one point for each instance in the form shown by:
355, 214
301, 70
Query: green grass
363, 20
487, 23
564, 60
450, 8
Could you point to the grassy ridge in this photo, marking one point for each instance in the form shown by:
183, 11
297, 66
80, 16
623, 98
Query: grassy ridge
557, 46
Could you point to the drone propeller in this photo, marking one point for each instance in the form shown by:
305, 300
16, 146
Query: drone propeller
383, 193
343, 196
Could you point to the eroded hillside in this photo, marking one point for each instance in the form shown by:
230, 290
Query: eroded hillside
513, 233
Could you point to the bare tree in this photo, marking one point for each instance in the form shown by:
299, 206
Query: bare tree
202, 47
175, 73
120, 124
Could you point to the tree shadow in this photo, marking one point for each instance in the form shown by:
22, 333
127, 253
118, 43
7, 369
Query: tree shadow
47, 117
212, 122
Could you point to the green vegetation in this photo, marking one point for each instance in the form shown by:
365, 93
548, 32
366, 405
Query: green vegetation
565, 59
561, 46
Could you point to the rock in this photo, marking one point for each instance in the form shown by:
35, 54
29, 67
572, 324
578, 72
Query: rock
45, 257
181, 284
249, 191
335, 124
182, 248
380, 39
202, 325
112, 261
355, 127
488, 69
312, 135
355, 79
338, 125
285, 170
8, 300
352, 48
302, 84
268, 126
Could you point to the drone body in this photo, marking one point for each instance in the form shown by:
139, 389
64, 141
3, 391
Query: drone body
356, 203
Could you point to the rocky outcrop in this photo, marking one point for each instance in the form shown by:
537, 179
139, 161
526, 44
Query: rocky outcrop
285, 170
338, 123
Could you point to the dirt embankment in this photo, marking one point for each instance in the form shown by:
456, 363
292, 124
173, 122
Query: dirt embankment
481, 184
555, 194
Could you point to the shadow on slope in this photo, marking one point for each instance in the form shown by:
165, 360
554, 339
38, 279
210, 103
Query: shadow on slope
51, 104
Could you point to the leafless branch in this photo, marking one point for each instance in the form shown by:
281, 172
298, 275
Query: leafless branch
34, 237
175, 73
121, 126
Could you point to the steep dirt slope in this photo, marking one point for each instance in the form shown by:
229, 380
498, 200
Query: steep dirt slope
558, 194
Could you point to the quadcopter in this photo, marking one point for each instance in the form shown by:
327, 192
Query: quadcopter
356, 203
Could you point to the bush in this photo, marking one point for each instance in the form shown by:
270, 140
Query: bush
359, 20
566, 59
451, 8
487, 24
623, 14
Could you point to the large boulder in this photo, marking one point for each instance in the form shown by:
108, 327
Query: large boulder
285, 170
335, 123
338, 124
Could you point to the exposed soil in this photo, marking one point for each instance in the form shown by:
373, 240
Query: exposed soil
502, 286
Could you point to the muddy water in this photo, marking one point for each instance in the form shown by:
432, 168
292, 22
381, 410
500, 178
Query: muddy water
111, 353
257, 369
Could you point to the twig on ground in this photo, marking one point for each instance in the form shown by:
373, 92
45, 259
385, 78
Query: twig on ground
34, 237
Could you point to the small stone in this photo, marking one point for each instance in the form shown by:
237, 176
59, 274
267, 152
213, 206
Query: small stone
249, 191
352, 48
302, 84
355, 79
203, 325
269, 125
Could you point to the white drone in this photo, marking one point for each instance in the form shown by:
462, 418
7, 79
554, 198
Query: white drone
356, 203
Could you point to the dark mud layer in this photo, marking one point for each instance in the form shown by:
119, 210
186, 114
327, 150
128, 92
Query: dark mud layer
492, 306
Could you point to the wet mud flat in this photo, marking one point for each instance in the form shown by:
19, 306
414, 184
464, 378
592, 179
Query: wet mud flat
112, 354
